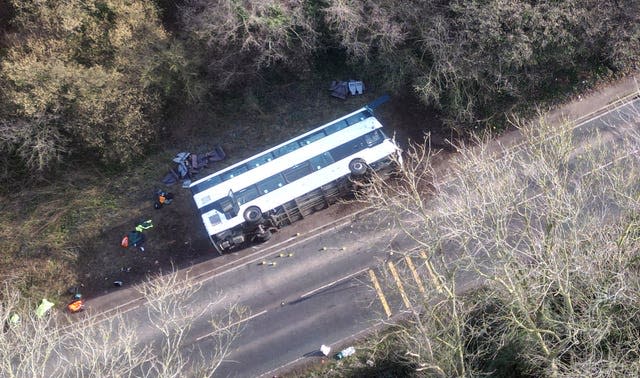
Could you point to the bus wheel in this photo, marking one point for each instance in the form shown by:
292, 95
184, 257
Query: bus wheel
252, 214
358, 167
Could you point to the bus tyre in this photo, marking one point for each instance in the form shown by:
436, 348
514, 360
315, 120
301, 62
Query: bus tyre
252, 214
358, 167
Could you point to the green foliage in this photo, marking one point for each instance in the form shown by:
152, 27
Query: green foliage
85, 77
475, 60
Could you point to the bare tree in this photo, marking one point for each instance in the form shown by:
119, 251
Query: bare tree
172, 311
156, 344
530, 250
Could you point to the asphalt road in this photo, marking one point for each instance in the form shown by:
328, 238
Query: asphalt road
338, 282
343, 300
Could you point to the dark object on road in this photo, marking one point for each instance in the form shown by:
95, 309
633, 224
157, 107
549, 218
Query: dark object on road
118, 283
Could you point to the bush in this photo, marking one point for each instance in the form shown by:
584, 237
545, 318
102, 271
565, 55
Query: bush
84, 78
239, 39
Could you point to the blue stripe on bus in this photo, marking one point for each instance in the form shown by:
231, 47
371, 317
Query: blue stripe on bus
263, 158
300, 171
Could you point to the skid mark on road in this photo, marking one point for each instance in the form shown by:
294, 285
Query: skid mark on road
383, 299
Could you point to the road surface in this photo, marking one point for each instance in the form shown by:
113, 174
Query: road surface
327, 286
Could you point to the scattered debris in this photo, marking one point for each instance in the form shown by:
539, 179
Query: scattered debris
333, 248
133, 238
145, 225
75, 290
189, 164
43, 308
161, 198
356, 87
341, 89
76, 305
345, 353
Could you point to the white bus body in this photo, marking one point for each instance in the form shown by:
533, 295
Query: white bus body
245, 201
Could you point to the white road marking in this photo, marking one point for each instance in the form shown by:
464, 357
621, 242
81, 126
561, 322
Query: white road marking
340, 342
232, 325
334, 282
259, 255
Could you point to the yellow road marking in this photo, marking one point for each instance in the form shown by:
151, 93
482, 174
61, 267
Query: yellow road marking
431, 273
383, 300
424, 256
396, 277
415, 275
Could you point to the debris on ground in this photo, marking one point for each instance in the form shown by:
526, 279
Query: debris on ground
325, 350
345, 353
76, 305
189, 164
162, 198
118, 283
77, 302
133, 238
341, 89
43, 308
144, 225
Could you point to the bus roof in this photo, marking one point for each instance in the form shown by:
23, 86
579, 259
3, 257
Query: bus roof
335, 125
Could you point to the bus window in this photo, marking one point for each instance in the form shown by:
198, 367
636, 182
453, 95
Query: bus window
359, 117
289, 147
320, 161
312, 138
335, 127
297, 172
347, 149
247, 194
270, 184
373, 138
260, 160
214, 180
234, 172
